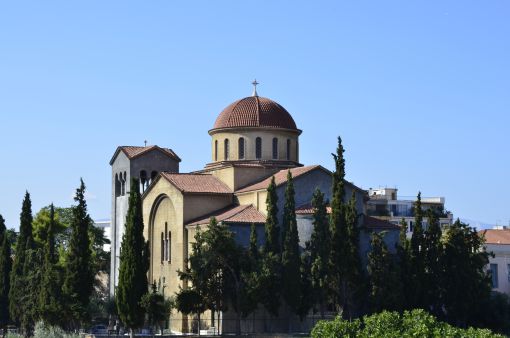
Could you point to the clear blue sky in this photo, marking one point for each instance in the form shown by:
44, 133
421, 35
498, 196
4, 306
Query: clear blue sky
418, 90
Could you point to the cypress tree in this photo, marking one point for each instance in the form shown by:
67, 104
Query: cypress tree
272, 229
338, 250
405, 268
133, 268
384, 293
79, 277
50, 297
417, 256
291, 260
18, 280
5, 271
319, 251
433, 264
32, 276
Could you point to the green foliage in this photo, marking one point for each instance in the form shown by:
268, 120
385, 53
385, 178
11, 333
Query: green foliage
79, 277
156, 307
272, 229
42, 330
291, 274
190, 301
417, 257
5, 270
18, 281
384, 290
50, 296
133, 266
319, 248
433, 264
415, 323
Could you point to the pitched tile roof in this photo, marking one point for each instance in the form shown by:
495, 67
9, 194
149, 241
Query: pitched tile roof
135, 151
280, 178
255, 111
496, 236
196, 183
233, 214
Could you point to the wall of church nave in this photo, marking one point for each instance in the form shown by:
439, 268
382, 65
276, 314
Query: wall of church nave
199, 205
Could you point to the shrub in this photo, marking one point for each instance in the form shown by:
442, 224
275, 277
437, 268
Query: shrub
45, 331
415, 323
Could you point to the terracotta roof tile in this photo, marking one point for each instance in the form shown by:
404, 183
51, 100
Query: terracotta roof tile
280, 178
496, 236
233, 214
255, 111
197, 183
135, 151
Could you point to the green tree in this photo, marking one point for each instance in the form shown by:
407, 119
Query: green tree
32, 280
433, 260
417, 258
50, 297
133, 266
291, 260
404, 268
272, 229
469, 287
5, 271
384, 291
79, 277
250, 275
156, 307
18, 280
319, 247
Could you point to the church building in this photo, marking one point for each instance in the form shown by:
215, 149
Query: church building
252, 139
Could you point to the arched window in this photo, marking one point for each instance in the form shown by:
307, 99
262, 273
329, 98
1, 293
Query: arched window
169, 246
275, 148
117, 185
241, 148
297, 150
162, 247
216, 150
226, 149
258, 148
143, 181
288, 149
166, 241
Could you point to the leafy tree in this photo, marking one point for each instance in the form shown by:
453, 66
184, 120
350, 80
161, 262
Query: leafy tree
466, 283
384, 291
32, 280
319, 247
18, 280
404, 267
5, 270
291, 260
307, 299
250, 275
133, 266
79, 277
50, 297
156, 307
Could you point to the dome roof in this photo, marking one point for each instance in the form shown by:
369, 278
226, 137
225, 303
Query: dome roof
255, 111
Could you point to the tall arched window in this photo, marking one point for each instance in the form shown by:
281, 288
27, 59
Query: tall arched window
258, 148
162, 247
275, 148
297, 150
143, 181
216, 150
166, 241
241, 148
288, 149
226, 149
169, 246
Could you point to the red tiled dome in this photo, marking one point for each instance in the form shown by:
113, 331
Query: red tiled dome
255, 111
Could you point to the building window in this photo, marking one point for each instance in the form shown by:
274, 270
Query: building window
275, 148
288, 149
216, 150
297, 150
241, 148
166, 241
226, 149
494, 275
258, 148
162, 247
169, 247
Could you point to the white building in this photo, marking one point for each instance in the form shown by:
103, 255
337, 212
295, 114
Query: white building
384, 204
106, 226
497, 241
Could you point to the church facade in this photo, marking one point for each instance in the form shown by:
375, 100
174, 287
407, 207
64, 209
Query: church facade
252, 140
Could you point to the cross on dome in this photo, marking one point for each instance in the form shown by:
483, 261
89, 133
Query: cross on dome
255, 83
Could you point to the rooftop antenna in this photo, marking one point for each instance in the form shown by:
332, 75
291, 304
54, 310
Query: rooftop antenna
255, 83
145, 143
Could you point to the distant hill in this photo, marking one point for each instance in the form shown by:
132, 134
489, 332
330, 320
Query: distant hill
477, 224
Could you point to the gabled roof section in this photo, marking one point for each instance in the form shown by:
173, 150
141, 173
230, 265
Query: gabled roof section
134, 151
233, 214
196, 183
496, 236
